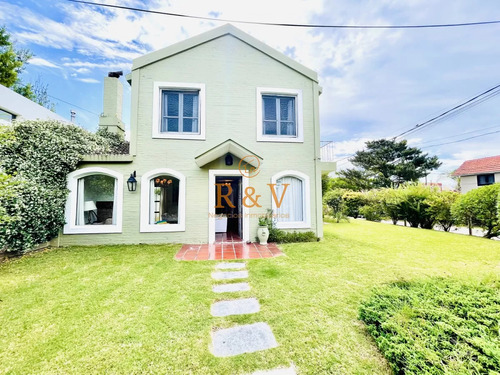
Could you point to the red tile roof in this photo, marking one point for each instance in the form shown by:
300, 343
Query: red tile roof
477, 166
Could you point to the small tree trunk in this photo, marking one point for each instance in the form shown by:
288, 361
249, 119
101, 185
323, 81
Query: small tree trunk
470, 226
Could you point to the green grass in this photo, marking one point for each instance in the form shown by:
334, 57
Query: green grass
135, 310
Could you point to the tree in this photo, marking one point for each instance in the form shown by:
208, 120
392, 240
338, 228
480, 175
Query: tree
479, 207
12, 63
11, 60
354, 179
440, 208
389, 163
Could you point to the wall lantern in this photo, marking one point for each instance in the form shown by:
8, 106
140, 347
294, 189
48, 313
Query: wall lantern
132, 182
229, 159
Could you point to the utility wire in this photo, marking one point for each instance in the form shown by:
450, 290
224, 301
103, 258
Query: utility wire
458, 135
461, 140
457, 107
289, 24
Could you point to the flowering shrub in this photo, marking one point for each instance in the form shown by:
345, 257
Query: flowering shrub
35, 158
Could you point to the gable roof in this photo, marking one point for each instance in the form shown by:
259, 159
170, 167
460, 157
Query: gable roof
477, 166
218, 32
227, 147
19, 106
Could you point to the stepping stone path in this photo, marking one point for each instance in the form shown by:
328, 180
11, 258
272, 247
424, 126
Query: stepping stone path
246, 338
229, 275
235, 307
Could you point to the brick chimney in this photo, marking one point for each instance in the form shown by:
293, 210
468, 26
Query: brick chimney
111, 117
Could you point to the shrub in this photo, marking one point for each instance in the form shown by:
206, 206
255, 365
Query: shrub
390, 201
479, 207
438, 326
371, 213
440, 208
353, 201
413, 205
39, 154
333, 199
280, 236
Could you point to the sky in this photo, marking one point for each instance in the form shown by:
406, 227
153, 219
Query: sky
376, 83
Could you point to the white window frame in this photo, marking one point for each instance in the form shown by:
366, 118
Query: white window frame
299, 117
145, 225
70, 227
306, 201
158, 87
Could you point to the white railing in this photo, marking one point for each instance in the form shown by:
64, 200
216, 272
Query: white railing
327, 151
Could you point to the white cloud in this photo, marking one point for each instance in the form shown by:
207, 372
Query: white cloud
42, 62
88, 80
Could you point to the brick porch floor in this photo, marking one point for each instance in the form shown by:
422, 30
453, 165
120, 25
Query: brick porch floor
227, 246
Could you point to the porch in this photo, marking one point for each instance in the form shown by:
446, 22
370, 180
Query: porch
227, 246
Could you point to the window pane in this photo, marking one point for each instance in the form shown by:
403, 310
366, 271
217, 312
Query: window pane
173, 124
292, 207
287, 109
190, 126
270, 127
190, 105
269, 107
95, 200
172, 106
165, 200
287, 128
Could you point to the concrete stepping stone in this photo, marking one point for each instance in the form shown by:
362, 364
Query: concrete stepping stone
235, 307
227, 288
230, 266
247, 338
277, 371
229, 275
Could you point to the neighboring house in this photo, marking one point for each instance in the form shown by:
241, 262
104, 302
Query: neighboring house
206, 113
16, 107
478, 172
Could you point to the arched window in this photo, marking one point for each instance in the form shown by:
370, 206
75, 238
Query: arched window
291, 204
163, 201
95, 201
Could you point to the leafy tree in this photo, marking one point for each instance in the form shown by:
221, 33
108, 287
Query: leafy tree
390, 200
12, 63
414, 205
440, 208
11, 60
354, 179
480, 207
353, 201
325, 183
333, 199
390, 163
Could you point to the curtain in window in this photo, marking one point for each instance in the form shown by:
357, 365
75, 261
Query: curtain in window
180, 112
80, 200
292, 207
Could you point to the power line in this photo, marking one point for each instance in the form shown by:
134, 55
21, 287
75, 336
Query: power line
461, 140
471, 102
290, 24
458, 135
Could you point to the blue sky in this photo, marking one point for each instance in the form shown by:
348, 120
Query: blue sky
376, 83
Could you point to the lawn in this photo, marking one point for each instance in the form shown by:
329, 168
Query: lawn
135, 310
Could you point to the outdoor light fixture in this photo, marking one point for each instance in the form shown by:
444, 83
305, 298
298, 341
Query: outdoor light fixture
229, 159
132, 182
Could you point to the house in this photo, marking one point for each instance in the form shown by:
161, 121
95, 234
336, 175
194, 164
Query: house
478, 172
16, 107
223, 128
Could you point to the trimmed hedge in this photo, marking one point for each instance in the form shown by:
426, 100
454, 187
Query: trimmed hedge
437, 326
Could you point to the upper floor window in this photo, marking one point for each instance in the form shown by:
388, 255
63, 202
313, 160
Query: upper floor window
179, 110
279, 115
485, 179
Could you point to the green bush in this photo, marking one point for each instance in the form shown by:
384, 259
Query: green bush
280, 236
438, 326
353, 201
390, 201
479, 207
440, 208
413, 206
371, 213
335, 202
39, 154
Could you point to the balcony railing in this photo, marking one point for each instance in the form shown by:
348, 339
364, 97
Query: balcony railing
327, 151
